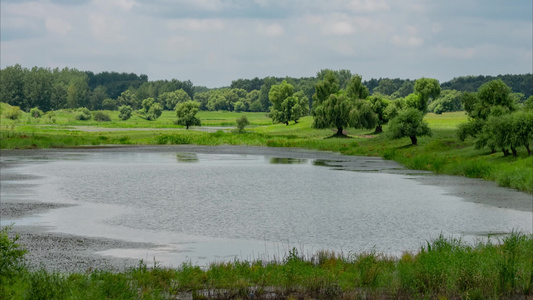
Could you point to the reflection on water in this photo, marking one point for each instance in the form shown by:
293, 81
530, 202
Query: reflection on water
186, 157
248, 206
287, 161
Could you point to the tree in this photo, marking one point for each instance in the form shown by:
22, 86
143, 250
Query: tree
493, 94
36, 112
242, 122
186, 113
491, 99
324, 88
449, 100
109, 104
203, 99
171, 99
426, 89
125, 112
379, 105
340, 110
83, 114
356, 89
268, 82
409, 123
334, 112
97, 97
128, 98
150, 109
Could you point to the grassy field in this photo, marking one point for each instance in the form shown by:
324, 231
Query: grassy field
440, 153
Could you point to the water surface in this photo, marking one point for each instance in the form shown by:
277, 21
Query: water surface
202, 207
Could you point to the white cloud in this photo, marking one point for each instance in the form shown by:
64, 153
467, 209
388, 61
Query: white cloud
368, 6
454, 52
199, 25
56, 25
109, 5
407, 41
272, 30
106, 29
339, 28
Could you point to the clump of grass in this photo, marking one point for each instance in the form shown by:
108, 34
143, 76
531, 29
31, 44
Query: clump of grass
443, 268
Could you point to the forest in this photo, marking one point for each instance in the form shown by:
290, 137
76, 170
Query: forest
54, 89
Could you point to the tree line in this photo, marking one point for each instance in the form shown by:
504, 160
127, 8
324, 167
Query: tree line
53, 89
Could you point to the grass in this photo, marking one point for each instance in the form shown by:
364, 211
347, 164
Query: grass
445, 268
442, 153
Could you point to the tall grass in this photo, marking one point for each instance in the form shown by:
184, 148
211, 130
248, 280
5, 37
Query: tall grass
446, 268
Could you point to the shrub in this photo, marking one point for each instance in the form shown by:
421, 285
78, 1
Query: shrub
101, 117
12, 259
242, 122
12, 112
36, 112
83, 114
125, 112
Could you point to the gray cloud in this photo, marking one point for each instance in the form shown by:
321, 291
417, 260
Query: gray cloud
213, 42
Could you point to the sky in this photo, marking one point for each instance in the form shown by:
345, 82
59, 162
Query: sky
212, 42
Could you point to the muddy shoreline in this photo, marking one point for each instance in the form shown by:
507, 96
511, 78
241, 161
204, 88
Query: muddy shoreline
70, 253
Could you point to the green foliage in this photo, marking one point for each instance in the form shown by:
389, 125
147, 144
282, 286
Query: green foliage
528, 104
242, 122
128, 98
490, 95
171, 99
101, 117
426, 89
36, 113
12, 112
443, 268
151, 110
125, 112
12, 260
448, 101
324, 88
287, 105
356, 89
109, 104
186, 113
379, 106
83, 114
409, 123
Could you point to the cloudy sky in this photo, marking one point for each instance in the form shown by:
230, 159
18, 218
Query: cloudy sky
212, 42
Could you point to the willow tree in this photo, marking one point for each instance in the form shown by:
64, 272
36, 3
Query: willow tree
186, 113
287, 105
341, 109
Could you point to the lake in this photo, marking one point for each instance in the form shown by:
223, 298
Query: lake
205, 204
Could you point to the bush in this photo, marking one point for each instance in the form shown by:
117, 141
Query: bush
12, 112
36, 112
12, 260
125, 112
242, 122
83, 114
101, 117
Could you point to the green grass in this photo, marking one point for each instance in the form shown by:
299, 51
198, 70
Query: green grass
444, 268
